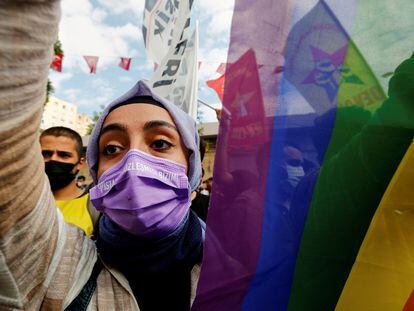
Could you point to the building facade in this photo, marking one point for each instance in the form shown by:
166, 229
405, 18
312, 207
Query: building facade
209, 132
83, 123
58, 112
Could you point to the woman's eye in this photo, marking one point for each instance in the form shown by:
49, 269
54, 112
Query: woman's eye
111, 149
161, 144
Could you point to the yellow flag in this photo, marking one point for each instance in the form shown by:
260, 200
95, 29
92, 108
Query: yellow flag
359, 86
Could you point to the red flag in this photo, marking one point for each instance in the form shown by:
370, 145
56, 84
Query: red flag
222, 68
218, 86
125, 63
92, 62
243, 98
57, 62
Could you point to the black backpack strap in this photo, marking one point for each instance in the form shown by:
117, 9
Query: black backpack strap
81, 302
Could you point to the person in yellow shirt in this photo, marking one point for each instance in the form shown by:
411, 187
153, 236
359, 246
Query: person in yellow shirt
63, 155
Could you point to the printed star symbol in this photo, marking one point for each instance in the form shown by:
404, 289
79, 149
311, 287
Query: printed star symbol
242, 99
330, 71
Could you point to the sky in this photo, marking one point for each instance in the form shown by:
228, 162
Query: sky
111, 29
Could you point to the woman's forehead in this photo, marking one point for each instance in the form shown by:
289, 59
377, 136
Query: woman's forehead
138, 113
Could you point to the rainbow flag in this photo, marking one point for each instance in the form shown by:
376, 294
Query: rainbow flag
313, 198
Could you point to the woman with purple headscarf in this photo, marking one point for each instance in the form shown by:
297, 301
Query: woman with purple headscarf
144, 159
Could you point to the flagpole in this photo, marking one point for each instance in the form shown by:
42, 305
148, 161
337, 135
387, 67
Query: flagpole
215, 109
192, 109
205, 104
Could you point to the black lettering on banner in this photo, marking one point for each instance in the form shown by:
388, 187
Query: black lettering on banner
171, 6
160, 28
144, 34
187, 24
149, 5
171, 36
180, 45
163, 16
172, 67
162, 83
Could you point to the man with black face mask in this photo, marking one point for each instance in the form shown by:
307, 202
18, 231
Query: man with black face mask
62, 152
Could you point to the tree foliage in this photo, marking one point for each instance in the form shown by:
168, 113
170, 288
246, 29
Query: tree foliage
58, 47
95, 118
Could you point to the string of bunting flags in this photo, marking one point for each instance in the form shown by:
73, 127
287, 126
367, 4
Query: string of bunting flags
92, 62
125, 63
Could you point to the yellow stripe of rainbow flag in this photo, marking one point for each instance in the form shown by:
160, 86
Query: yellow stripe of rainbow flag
383, 273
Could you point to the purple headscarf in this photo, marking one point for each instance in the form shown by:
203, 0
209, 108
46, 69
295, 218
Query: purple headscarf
185, 124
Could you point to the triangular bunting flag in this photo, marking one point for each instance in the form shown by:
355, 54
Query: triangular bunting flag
57, 62
92, 62
125, 63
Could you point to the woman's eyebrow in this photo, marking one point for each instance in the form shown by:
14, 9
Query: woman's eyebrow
157, 123
113, 127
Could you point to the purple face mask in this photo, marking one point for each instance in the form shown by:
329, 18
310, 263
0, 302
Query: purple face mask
145, 195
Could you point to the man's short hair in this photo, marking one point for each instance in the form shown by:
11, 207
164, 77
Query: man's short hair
66, 132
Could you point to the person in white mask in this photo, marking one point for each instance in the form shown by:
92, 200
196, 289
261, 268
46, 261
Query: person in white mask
293, 162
